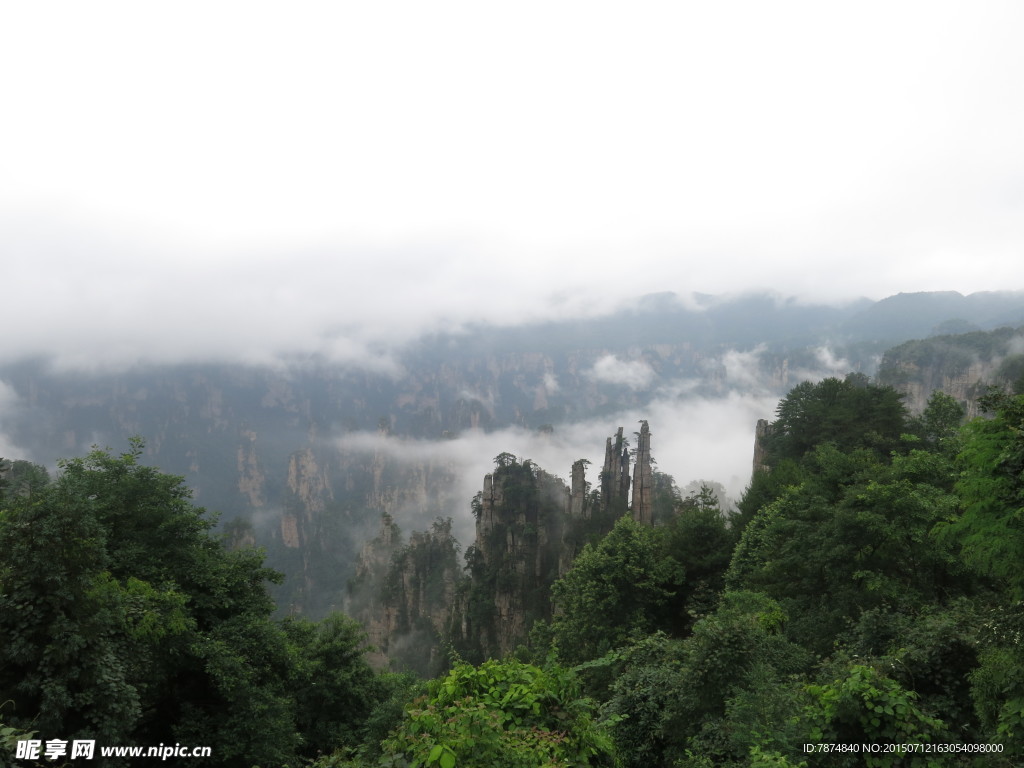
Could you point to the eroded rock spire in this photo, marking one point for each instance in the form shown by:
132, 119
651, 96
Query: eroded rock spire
643, 478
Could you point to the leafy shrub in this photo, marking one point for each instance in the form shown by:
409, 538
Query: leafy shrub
502, 714
867, 707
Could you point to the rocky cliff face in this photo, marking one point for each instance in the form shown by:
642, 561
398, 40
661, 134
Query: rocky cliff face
405, 594
963, 366
964, 385
529, 528
368, 601
580, 513
521, 519
615, 474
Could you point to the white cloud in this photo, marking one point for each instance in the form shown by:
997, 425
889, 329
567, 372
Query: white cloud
743, 368
828, 365
635, 374
828, 360
335, 178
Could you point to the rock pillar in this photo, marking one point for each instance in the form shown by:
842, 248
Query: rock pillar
615, 475
643, 479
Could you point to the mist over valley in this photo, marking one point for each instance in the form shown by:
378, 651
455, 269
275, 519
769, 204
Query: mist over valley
303, 456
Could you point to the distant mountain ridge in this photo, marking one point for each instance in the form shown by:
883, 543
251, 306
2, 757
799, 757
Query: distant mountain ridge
919, 315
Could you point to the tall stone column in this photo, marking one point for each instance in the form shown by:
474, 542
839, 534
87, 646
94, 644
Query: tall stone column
615, 474
578, 494
762, 432
643, 479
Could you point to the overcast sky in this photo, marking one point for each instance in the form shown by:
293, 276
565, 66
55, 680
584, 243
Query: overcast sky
238, 179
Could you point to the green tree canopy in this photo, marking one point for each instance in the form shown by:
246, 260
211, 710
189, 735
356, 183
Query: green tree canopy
615, 590
502, 714
991, 487
938, 425
852, 413
854, 535
990, 536
699, 538
22, 478
122, 618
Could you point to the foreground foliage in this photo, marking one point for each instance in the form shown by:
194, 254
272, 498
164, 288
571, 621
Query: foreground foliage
872, 598
502, 714
124, 620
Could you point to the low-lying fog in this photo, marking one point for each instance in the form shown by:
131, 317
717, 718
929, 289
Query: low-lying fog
693, 438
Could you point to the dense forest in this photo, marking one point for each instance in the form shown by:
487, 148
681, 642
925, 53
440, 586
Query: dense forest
866, 593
